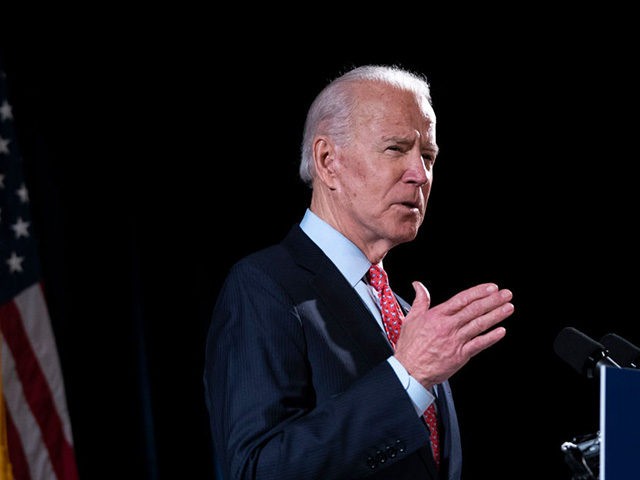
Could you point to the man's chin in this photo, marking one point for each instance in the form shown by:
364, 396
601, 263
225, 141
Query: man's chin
406, 234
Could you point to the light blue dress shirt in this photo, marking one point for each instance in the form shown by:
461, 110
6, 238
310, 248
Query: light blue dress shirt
354, 265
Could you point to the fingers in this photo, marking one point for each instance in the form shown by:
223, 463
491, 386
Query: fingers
478, 308
467, 297
437, 341
482, 314
422, 298
481, 342
474, 312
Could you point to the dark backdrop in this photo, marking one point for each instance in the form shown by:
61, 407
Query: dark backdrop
156, 162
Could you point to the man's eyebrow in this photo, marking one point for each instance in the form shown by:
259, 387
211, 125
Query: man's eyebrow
398, 139
407, 140
434, 149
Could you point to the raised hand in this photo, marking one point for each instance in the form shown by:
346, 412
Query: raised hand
435, 342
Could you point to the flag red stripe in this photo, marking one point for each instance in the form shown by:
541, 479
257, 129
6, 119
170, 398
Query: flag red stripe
37, 393
19, 466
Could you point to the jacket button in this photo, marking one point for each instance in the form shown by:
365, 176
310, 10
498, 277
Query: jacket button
392, 452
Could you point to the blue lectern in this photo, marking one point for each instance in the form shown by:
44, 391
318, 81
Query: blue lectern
619, 424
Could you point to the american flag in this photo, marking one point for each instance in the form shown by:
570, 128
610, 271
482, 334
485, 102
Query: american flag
36, 438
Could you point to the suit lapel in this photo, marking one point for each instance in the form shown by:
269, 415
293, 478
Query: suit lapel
340, 298
347, 308
353, 315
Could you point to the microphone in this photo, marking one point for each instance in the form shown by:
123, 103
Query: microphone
625, 352
581, 352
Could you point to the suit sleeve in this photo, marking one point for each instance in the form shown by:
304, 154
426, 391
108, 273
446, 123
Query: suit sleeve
266, 421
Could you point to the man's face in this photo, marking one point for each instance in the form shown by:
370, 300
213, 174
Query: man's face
385, 172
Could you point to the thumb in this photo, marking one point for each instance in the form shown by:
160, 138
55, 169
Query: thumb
422, 295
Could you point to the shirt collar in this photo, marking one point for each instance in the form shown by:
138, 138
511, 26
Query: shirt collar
347, 257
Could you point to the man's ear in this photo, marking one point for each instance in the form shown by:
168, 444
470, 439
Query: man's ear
324, 158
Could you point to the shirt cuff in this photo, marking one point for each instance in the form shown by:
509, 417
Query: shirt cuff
420, 396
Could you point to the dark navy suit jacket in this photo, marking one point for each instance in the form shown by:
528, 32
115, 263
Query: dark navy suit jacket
296, 379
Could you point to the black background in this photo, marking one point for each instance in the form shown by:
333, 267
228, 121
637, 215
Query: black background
155, 159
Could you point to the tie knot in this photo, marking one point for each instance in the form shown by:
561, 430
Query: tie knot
378, 277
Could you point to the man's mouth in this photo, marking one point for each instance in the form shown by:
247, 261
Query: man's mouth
410, 204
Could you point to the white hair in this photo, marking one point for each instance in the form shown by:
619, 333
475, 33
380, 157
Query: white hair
331, 111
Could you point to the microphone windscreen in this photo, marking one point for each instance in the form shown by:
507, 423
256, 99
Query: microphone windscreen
623, 351
576, 348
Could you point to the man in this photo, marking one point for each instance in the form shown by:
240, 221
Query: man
302, 381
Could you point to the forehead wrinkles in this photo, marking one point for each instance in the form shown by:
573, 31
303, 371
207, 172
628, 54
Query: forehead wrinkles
390, 106
401, 128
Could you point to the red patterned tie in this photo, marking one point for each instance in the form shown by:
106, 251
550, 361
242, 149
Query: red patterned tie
392, 317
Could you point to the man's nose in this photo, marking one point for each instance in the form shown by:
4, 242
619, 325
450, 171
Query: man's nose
418, 169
